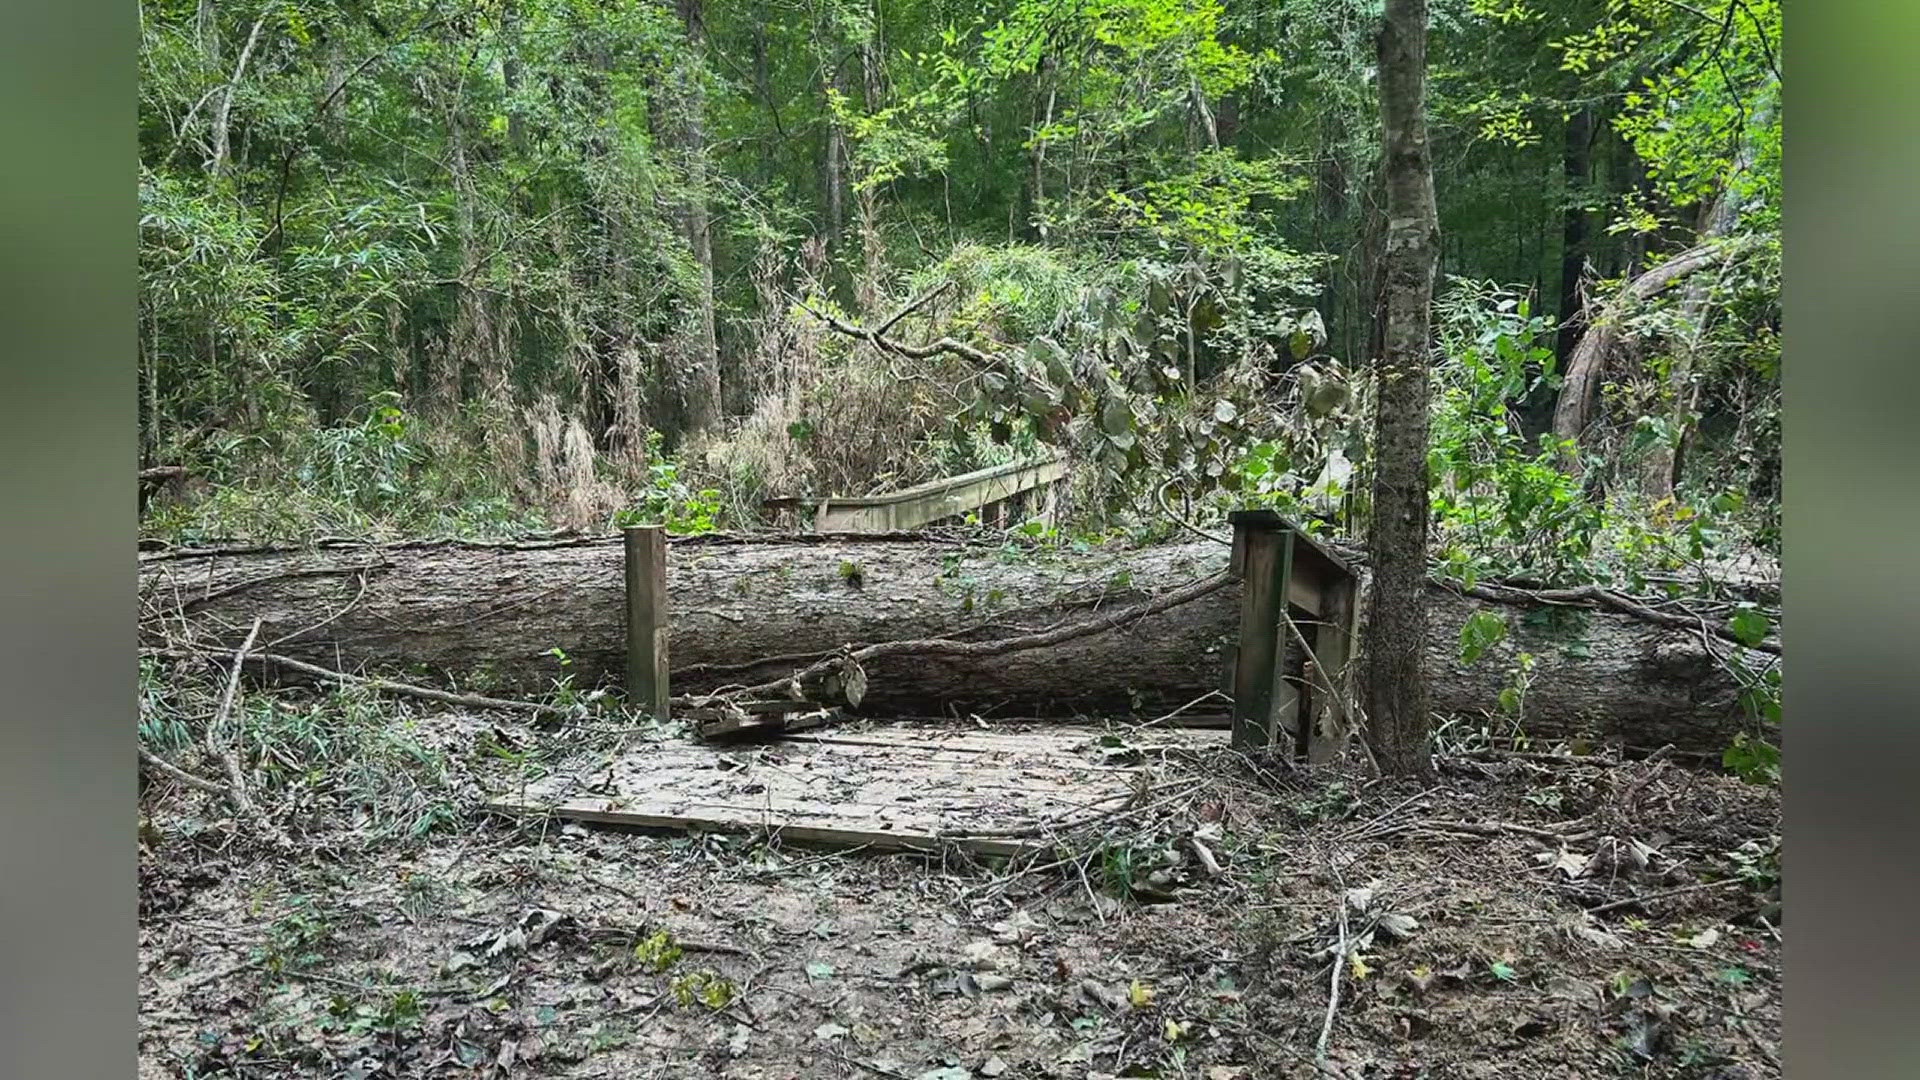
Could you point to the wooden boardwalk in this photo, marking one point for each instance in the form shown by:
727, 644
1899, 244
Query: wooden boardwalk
894, 787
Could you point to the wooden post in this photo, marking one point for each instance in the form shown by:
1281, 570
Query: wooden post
1263, 558
646, 554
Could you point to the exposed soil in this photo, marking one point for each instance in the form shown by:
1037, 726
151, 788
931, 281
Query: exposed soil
531, 948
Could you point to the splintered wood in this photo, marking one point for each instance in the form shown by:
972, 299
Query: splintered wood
896, 788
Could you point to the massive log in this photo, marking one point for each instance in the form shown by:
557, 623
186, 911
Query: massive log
489, 618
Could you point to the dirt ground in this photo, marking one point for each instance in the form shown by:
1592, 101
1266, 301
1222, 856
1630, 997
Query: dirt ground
1527, 916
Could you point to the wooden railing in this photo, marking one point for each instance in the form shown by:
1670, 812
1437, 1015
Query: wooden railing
923, 504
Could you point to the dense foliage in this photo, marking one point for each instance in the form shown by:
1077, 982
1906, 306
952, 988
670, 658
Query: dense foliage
485, 265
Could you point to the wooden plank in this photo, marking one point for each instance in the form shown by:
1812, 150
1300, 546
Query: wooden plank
646, 573
1259, 558
766, 721
1334, 646
822, 832
1283, 714
1305, 591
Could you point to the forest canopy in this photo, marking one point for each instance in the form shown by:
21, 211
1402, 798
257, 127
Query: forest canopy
481, 267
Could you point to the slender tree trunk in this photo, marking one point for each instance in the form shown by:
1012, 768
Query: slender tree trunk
1393, 678
836, 170
223, 115
510, 75
872, 249
702, 393
1044, 87
1576, 167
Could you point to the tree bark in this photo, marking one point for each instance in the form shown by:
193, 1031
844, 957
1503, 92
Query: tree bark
486, 619
1393, 680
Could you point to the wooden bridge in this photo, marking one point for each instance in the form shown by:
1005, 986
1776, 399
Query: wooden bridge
923, 504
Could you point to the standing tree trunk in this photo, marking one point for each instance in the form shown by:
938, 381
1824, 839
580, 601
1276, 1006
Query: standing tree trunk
510, 75
1393, 679
1576, 165
223, 115
701, 396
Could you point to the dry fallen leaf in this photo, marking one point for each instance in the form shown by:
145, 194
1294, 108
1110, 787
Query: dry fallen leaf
1569, 863
1399, 924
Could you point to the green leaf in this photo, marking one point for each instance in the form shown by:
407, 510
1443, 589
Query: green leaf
1052, 357
819, 969
1482, 631
1750, 626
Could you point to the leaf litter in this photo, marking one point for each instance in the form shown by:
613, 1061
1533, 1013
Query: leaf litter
518, 949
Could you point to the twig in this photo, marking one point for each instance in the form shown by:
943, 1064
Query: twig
914, 306
1489, 828
241, 586
167, 768
1357, 830
194, 982
1662, 895
1333, 992
350, 605
473, 701
1160, 496
877, 1070
1168, 716
1349, 710
914, 352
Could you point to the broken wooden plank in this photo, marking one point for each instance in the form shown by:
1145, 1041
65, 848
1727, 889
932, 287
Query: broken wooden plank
793, 828
764, 719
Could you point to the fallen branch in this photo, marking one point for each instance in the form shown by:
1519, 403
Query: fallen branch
472, 701
996, 647
227, 751
1333, 992
1629, 901
167, 768
914, 352
1594, 594
1581, 386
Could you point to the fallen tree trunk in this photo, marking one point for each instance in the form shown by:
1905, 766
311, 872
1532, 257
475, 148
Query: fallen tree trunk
499, 619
